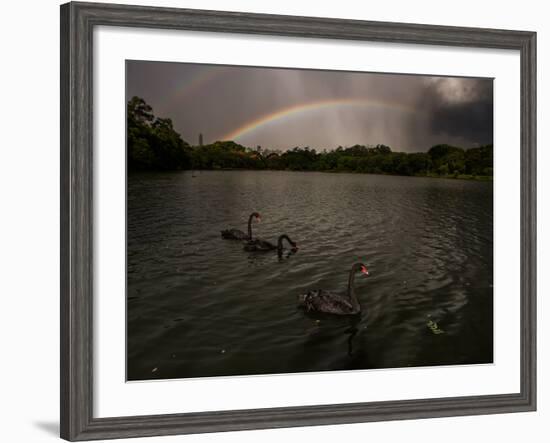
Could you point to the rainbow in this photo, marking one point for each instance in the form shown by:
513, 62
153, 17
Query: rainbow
294, 110
200, 79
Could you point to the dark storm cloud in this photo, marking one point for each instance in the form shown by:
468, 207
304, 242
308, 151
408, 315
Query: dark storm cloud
461, 109
406, 112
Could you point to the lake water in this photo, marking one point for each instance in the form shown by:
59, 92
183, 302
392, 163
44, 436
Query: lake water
198, 305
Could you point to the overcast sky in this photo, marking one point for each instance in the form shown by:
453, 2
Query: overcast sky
282, 108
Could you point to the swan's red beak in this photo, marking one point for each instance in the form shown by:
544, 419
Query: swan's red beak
364, 270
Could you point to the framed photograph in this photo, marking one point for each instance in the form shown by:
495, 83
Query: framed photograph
273, 221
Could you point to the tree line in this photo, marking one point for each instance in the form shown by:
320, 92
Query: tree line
153, 144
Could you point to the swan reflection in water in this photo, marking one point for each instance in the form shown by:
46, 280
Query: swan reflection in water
338, 330
259, 259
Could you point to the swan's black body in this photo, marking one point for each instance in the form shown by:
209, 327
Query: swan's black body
237, 234
260, 245
346, 303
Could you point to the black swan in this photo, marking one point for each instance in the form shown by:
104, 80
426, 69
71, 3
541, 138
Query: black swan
319, 300
260, 245
236, 234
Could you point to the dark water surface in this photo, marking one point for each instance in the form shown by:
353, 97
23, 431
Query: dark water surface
201, 306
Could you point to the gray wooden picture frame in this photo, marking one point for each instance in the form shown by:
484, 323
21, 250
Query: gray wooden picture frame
77, 23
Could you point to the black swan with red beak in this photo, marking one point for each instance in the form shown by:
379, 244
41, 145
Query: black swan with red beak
346, 303
237, 234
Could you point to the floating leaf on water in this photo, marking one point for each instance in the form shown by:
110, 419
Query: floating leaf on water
223, 351
434, 327
317, 321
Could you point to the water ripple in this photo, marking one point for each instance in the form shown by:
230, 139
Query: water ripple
201, 306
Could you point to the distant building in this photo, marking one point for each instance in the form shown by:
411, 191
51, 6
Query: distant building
200, 139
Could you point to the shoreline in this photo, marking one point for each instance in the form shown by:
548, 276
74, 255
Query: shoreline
465, 177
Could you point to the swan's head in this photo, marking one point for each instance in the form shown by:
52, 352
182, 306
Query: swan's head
364, 269
294, 245
257, 216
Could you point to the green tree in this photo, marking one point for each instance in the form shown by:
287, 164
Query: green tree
152, 142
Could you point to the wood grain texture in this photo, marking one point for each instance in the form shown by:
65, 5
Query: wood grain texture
77, 23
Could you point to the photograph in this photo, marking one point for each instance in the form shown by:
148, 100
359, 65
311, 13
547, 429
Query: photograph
285, 220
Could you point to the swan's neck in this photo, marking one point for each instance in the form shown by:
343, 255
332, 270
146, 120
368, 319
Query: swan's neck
250, 227
280, 242
351, 288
